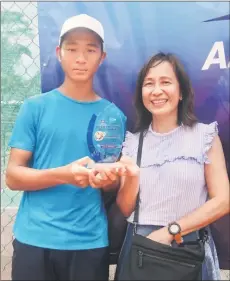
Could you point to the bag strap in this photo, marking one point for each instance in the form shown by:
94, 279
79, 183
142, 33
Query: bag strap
139, 154
203, 235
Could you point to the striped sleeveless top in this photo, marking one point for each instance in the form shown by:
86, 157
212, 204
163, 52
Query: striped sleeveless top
172, 182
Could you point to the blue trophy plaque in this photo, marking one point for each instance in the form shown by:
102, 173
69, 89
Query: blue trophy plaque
105, 135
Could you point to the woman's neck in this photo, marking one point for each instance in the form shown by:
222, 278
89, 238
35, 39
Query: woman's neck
162, 124
81, 91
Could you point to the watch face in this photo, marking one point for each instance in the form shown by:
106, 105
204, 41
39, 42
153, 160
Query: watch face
174, 228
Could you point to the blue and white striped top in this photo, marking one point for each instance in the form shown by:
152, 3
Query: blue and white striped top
172, 182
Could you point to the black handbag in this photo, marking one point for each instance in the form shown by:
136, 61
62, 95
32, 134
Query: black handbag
117, 225
150, 260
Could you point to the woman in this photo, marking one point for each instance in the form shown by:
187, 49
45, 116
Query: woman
183, 177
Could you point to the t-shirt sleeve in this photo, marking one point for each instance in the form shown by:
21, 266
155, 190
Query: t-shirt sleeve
23, 134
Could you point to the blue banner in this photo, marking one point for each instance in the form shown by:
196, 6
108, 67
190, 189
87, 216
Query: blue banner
198, 32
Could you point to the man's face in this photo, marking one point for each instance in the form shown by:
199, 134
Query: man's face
80, 54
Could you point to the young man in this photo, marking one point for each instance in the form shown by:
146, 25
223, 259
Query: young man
61, 228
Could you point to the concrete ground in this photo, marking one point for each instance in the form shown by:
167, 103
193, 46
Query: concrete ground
7, 219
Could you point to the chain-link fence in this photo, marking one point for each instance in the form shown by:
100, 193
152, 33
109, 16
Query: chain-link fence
20, 78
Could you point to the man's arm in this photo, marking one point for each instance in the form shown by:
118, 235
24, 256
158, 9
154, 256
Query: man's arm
20, 177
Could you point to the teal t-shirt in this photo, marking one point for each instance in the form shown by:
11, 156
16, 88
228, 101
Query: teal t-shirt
54, 128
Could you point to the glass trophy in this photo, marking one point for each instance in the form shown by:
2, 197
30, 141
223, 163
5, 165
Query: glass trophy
105, 135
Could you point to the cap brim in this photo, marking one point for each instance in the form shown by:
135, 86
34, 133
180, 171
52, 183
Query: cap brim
77, 27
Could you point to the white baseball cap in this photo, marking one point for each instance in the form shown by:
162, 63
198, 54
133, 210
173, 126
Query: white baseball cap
85, 21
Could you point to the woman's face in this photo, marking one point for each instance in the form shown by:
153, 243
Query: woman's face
161, 90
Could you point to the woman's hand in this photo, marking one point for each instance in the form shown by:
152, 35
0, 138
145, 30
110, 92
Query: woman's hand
106, 174
131, 168
162, 236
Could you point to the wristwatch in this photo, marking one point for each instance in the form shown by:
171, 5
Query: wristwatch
175, 230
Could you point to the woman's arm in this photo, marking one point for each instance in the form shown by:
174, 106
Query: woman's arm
127, 194
218, 190
218, 204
